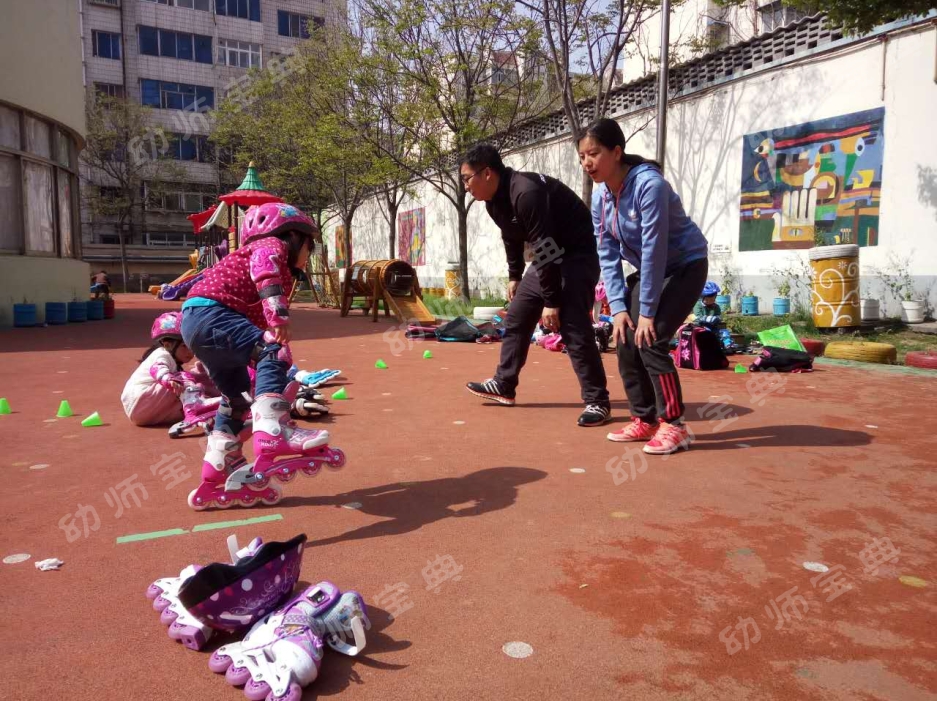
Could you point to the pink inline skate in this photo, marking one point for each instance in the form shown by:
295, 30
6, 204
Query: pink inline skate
281, 449
222, 460
198, 411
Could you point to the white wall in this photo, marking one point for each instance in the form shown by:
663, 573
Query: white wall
704, 159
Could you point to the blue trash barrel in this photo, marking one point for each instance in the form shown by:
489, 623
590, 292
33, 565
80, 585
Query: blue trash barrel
724, 302
56, 313
77, 311
95, 309
24, 315
782, 306
749, 306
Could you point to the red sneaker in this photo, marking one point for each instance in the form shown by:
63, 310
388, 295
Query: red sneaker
669, 439
638, 431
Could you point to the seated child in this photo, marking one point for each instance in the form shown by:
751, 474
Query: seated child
160, 391
151, 395
706, 311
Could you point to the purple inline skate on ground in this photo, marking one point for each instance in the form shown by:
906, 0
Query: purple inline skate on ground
282, 653
224, 597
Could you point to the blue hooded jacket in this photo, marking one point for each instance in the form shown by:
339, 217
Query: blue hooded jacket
646, 226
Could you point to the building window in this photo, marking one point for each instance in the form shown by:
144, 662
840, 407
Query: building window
105, 44
11, 225
775, 15
184, 198
38, 196
161, 2
176, 96
111, 3
238, 53
109, 90
245, 9
189, 148
290, 24
38, 137
194, 4
181, 45
40, 223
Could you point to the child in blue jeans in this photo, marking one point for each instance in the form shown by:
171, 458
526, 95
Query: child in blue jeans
238, 313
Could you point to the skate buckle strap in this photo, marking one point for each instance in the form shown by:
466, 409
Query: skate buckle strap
242, 477
339, 645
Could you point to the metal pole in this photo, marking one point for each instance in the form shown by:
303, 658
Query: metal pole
663, 77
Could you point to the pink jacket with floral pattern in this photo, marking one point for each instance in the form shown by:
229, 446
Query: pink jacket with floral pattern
255, 280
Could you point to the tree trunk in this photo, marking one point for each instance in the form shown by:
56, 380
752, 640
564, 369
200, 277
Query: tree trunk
586, 189
392, 208
463, 249
346, 221
125, 273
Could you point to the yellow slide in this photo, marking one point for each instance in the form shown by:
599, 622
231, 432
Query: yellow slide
408, 308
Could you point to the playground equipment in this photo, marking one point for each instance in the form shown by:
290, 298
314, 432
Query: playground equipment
393, 281
218, 225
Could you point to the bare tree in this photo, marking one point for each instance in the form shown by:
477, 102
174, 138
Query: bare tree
124, 155
459, 65
590, 35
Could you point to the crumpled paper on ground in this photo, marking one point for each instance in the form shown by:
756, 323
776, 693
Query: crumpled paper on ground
49, 564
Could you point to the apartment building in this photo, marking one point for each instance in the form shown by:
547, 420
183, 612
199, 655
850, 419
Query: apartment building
178, 57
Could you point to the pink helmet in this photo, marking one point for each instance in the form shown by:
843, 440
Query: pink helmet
168, 325
274, 218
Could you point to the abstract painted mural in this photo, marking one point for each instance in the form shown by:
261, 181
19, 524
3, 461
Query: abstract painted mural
342, 251
411, 236
812, 183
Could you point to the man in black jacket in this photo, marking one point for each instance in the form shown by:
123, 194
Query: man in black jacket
559, 286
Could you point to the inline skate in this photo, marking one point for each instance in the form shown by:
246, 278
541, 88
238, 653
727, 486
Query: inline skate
281, 449
282, 653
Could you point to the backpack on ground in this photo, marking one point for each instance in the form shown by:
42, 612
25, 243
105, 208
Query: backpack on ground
782, 360
698, 348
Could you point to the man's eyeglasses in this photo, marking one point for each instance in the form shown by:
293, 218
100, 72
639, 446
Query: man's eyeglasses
466, 179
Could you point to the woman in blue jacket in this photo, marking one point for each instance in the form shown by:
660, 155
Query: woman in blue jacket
639, 218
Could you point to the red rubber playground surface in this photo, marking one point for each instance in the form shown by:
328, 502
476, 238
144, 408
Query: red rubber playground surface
480, 525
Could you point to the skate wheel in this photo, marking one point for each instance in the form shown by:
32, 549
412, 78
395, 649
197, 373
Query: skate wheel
153, 591
196, 502
285, 474
271, 500
219, 663
312, 469
224, 501
294, 693
168, 617
261, 484
161, 603
237, 676
336, 459
257, 691
247, 500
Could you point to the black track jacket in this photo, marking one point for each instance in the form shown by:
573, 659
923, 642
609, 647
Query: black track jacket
533, 208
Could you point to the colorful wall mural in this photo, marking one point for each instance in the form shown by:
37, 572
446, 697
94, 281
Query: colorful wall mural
411, 236
811, 183
342, 252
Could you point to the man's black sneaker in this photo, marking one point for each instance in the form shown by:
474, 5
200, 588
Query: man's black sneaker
491, 389
595, 415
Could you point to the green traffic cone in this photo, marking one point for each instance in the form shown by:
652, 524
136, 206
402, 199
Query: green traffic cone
93, 420
380, 364
5, 406
741, 369
340, 394
427, 354
64, 410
